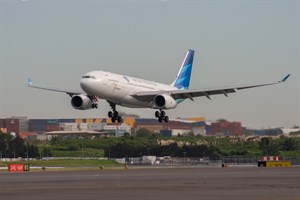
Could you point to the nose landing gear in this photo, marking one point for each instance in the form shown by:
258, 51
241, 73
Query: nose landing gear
94, 102
95, 105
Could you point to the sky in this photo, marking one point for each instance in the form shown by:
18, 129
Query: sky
235, 42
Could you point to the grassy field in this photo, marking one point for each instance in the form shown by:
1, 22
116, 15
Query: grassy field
88, 152
67, 163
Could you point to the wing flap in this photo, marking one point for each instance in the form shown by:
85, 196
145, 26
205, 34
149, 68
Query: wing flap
184, 94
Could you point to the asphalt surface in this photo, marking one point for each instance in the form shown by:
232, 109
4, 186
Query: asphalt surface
189, 183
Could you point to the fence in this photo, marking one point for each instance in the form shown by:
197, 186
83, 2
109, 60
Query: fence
158, 161
229, 160
240, 160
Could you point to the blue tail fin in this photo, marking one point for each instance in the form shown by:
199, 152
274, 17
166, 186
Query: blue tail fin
182, 80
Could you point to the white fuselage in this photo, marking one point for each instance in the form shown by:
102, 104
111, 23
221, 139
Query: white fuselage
118, 88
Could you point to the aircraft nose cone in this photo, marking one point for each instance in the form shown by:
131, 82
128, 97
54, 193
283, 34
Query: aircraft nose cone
89, 85
84, 85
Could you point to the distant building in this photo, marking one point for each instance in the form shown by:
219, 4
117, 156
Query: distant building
38, 127
225, 128
3, 126
10, 126
23, 123
265, 132
175, 132
174, 127
287, 131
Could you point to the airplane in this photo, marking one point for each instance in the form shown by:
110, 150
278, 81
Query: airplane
133, 92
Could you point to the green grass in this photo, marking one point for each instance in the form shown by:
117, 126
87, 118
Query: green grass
86, 153
66, 163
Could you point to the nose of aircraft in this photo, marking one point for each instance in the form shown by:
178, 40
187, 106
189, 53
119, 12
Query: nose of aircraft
84, 84
87, 84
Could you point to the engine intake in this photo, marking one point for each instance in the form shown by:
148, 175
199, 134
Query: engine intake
164, 101
81, 102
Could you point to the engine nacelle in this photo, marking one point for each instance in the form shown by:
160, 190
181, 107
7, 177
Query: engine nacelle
164, 101
81, 102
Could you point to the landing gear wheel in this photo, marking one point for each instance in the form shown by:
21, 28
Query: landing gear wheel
166, 119
116, 114
161, 115
160, 119
119, 119
157, 114
94, 100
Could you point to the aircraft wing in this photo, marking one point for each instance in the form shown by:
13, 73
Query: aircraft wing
190, 94
69, 92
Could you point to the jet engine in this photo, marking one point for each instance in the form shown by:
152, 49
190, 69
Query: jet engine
82, 102
164, 101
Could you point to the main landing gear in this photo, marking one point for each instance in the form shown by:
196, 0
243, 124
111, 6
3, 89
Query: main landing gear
114, 115
161, 115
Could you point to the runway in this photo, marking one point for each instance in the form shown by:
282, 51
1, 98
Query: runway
164, 183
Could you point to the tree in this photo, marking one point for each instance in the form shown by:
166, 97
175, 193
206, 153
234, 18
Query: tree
46, 152
5, 140
221, 120
289, 144
143, 132
73, 147
15, 147
126, 134
33, 151
268, 146
18, 147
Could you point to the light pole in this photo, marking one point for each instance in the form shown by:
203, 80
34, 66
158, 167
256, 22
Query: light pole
109, 152
5, 145
47, 151
27, 152
184, 153
81, 147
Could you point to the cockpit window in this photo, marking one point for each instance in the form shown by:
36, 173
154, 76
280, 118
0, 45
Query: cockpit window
92, 77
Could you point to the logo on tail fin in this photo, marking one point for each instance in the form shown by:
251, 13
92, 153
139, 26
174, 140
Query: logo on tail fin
182, 80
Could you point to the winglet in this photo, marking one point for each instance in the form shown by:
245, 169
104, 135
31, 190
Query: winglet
285, 78
29, 82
